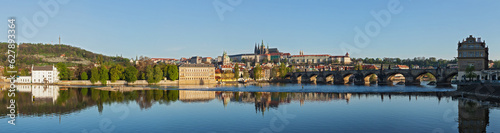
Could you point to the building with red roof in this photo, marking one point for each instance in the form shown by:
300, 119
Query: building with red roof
320, 58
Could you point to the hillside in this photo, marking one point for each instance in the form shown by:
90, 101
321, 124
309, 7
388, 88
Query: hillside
47, 54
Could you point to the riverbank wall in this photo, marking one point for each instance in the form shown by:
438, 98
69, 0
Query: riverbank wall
482, 90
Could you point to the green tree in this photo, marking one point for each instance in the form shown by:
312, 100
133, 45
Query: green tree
430, 76
257, 72
336, 61
236, 71
283, 70
165, 71
469, 72
173, 72
275, 72
103, 74
131, 74
116, 72
373, 78
150, 74
245, 74
70, 75
496, 64
158, 74
94, 72
84, 76
63, 71
358, 67
25, 72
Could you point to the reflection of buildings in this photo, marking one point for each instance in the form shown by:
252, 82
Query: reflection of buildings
472, 117
43, 93
265, 100
196, 96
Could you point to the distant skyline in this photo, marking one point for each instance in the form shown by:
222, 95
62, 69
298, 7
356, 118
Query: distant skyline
185, 28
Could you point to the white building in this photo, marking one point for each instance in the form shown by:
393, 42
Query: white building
44, 74
24, 79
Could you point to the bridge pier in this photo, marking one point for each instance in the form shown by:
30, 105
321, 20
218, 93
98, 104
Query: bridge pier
409, 80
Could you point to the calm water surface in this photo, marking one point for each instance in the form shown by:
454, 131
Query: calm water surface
253, 108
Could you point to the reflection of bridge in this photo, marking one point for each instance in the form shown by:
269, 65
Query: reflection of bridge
385, 76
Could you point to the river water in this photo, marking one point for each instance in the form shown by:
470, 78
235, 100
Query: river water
248, 108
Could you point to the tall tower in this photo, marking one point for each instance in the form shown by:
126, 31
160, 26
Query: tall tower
262, 48
472, 52
255, 50
59, 40
225, 58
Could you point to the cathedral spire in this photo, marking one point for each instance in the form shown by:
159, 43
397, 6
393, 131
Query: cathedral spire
255, 48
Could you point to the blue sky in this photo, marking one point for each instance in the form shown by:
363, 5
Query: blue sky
184, 28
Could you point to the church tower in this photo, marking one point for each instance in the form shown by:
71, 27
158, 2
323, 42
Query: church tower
256, 49
225, 58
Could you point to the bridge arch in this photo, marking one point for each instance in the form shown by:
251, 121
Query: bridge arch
288, 76
348, 77
313, 78
396, 77
330, 78
429, 76
450, 77
370, 78
299, 78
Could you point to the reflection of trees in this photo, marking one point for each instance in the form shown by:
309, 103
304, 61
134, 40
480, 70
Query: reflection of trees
67, 102
74, 99
84, 91
63, 96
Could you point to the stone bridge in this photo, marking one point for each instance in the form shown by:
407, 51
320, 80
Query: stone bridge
384, 76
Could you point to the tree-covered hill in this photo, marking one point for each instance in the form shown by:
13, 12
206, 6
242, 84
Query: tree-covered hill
47, 54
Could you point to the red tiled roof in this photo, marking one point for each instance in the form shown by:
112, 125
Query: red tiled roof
169, 59
337, 56
279, 54
309, 55
402, 66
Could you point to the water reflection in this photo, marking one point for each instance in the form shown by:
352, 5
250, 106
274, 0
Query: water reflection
473, 117
265, 100
40, 100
